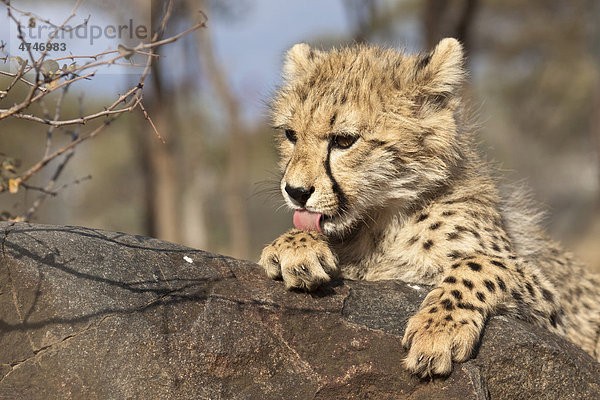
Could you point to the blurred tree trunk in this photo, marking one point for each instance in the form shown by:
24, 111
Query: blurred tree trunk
158, 160
433, 15
362, 15
443, 18
594, 124
159, 171
193, 207
236, 181
144, 156
595, 128
164, 185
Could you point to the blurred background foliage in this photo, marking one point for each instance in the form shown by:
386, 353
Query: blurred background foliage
534, 84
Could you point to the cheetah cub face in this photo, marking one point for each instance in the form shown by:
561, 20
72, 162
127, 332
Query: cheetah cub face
364, 129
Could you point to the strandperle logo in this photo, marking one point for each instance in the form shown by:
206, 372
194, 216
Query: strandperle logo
89, 32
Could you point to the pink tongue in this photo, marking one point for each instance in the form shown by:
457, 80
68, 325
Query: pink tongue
307, 221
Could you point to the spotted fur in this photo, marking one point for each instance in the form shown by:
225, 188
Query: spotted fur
410, 199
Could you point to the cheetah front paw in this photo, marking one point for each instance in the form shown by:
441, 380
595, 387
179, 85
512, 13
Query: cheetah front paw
302, 258
435, 339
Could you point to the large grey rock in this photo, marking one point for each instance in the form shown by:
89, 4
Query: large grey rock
90, 314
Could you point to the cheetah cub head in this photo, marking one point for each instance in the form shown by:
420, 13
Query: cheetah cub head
365, 129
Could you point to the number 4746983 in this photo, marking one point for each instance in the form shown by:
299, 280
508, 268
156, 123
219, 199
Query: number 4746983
42, 46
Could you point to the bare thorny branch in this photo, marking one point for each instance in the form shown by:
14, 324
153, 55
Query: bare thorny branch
41, 85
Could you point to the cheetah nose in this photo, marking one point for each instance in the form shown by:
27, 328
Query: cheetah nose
300, 195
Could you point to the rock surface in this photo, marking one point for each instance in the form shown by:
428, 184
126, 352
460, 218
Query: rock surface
91, 314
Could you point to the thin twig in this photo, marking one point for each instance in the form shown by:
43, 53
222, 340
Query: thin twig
46, 21
43, 162
147, 117
84, 120
25, 81
50, 130
47, 190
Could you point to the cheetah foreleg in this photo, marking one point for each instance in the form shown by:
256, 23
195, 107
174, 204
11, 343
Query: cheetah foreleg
450, 321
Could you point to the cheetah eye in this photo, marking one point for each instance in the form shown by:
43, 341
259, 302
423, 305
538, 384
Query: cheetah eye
291, 135
343, 141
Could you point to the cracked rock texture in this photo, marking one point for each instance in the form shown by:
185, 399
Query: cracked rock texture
90, 314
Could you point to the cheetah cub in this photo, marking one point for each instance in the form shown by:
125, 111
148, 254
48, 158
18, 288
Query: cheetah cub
386, 183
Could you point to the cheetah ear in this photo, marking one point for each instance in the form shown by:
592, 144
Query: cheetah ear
441, 73
298, 60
